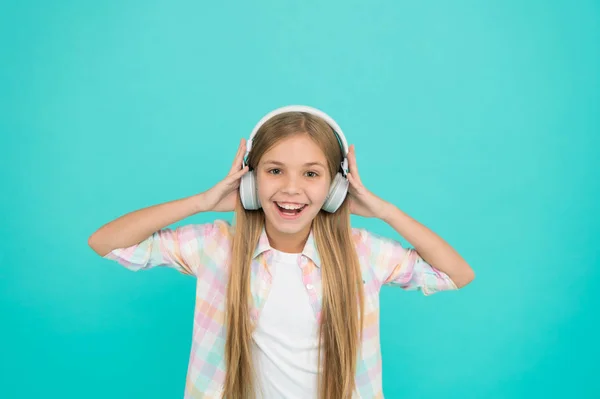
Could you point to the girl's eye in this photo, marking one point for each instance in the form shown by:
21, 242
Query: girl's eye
277, 171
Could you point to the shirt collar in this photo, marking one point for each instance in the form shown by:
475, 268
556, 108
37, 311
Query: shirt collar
310, 248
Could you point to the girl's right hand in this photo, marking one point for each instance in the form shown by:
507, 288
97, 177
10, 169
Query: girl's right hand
224, 195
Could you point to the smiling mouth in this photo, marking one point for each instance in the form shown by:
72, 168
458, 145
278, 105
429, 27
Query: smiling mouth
289, 213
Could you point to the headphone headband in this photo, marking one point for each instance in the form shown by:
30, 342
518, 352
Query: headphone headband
313, 111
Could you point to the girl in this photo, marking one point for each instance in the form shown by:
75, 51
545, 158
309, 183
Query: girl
287, 298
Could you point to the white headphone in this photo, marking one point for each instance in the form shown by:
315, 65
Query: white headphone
339, 185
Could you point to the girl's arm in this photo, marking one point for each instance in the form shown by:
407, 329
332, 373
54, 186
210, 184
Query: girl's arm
431, 247
136, 226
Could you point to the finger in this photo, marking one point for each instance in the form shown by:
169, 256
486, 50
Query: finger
239, 173
239, 156
351, 179
355, 183
352, 163
243, 171
234, 178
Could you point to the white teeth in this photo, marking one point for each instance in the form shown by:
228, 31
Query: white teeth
289, 206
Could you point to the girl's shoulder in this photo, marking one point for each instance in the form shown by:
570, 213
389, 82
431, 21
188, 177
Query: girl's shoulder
361, 238
223, 226
219, 231
223, 230
368, 241
361, 234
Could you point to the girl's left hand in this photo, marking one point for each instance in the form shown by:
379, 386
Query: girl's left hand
362, 201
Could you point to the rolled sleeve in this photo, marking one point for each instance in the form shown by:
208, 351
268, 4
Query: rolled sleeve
396, 265
184, 249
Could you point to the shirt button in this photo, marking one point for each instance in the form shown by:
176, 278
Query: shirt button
309, 286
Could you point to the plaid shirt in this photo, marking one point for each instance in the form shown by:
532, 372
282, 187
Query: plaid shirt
204, 250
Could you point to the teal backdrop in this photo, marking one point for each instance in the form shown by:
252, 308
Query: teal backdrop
479, 119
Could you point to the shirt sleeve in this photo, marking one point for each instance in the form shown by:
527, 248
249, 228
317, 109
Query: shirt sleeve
404, 267
185, 249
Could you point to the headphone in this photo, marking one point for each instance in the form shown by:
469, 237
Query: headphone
339, 185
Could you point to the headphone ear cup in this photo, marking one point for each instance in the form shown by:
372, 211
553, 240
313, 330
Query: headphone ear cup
249, 192
337, 193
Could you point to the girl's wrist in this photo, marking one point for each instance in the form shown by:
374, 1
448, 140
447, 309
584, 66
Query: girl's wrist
198, 203
386, 210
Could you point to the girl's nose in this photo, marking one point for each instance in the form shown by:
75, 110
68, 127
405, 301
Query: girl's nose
291, 185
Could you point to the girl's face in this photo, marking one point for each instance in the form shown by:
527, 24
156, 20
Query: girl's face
292, 174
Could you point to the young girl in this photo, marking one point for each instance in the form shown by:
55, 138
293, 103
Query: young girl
287, 298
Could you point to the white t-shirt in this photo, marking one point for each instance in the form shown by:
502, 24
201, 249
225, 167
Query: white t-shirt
285, 343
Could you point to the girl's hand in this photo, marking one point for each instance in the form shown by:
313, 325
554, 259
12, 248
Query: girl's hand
362, 201
224, 195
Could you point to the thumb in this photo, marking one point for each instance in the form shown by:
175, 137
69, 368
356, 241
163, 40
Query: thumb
241, 172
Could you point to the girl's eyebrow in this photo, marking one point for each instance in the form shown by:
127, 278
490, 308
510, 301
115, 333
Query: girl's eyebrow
277, 163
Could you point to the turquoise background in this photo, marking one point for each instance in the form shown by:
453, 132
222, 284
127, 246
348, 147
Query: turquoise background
479, 119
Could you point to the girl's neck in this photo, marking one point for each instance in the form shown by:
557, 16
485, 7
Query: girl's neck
289, 243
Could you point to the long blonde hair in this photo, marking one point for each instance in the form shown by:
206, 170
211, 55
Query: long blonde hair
340, 330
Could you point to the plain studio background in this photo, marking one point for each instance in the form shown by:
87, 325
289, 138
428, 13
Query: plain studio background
479, 120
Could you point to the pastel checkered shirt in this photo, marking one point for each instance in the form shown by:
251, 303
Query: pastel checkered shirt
204, 250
